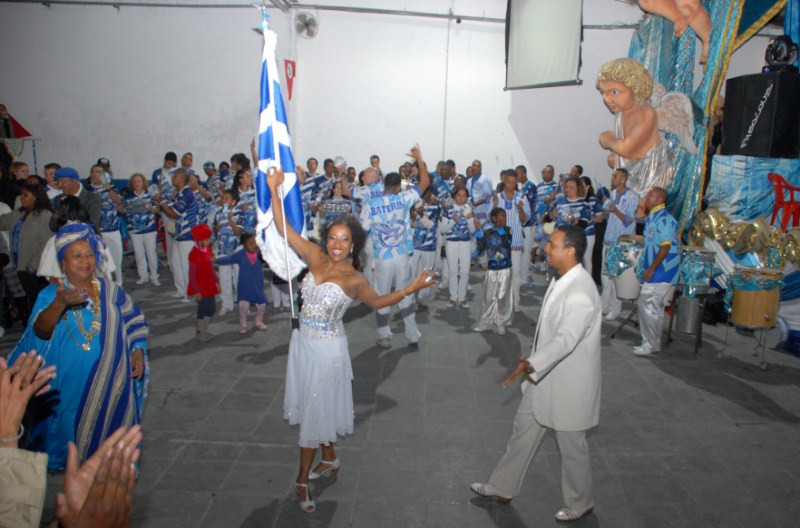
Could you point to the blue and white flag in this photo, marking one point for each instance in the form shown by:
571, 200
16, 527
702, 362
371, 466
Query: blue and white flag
275, 150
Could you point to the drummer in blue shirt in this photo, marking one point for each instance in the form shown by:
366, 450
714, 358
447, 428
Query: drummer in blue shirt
658, 266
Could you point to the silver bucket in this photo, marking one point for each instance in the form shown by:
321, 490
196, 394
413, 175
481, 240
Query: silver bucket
688, 315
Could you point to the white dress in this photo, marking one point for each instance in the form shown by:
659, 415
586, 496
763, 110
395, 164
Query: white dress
319, 376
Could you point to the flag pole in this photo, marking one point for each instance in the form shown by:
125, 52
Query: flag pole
295, 322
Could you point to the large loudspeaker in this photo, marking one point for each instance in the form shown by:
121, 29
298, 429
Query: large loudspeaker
762, 115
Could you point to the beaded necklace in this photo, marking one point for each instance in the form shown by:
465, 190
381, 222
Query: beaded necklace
94, 325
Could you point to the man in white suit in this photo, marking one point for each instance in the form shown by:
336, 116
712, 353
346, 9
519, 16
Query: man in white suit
562, 386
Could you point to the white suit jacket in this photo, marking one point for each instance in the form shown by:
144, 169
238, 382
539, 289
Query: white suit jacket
566, 355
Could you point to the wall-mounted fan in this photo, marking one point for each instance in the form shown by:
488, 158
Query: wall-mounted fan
306, 25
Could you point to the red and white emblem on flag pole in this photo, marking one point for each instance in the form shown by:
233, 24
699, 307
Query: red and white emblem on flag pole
290, 72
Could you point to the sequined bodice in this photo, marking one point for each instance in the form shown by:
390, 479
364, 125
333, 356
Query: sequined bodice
323, 307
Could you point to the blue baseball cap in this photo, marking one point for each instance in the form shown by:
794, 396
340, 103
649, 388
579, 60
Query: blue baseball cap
67, 173
209, 165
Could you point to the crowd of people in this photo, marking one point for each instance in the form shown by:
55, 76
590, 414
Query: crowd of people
380, 238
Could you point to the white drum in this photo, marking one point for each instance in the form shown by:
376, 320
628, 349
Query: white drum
627, 283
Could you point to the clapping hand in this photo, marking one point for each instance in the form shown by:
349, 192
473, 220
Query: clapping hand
99, 494
18, 384
523, 367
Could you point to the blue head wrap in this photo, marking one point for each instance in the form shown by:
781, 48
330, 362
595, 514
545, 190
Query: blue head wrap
74, 232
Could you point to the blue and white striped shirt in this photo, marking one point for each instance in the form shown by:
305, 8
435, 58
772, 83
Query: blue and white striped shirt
306, 192
109, 219
443, 189
627, 203
544, 190
513, 223
186, 206
460, 230
227, 239
529, 191
140, 219
578, 208
250, 213
425, 235
480, 188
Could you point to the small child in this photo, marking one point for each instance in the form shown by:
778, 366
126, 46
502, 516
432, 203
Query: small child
250, 286
203, 283
228, 221
497, 297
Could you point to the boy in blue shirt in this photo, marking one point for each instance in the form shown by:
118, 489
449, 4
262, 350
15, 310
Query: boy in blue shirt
498, 306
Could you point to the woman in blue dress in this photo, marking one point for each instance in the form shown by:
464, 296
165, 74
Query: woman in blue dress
95, 335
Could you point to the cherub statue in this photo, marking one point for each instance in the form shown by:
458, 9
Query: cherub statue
636, 143
683, 14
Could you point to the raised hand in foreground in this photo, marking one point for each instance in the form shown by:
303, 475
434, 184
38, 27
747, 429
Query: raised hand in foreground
99, 494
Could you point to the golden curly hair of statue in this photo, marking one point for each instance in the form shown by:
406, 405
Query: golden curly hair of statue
632, 74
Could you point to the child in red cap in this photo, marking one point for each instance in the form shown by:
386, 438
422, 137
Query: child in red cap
203, 283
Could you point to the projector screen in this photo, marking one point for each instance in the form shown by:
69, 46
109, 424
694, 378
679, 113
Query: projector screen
543, 43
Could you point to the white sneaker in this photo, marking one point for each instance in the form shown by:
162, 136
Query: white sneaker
156, 282
487, 490
186, 300
142, 281
224, 311
643, 351
178, 295
384, 342
500, 330
612, 316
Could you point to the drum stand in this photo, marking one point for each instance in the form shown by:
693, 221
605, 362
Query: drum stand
628, 319
761, 342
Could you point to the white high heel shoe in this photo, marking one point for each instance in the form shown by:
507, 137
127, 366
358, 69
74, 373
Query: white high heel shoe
333, 469
307, 505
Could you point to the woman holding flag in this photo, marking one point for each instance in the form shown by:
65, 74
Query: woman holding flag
319, 393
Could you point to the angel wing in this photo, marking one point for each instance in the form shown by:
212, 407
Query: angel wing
674, 111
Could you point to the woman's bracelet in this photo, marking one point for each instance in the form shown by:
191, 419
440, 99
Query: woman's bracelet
14, 438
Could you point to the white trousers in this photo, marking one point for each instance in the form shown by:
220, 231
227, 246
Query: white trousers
526, 435
527, 249
396, 272
444, 268
439, 261
172, 247
368, 261
519, 272
182, 250
587, 257
228, 279
280, 295
652, 300
419, 261
458, 259
611, 304
144, 250
113, 240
